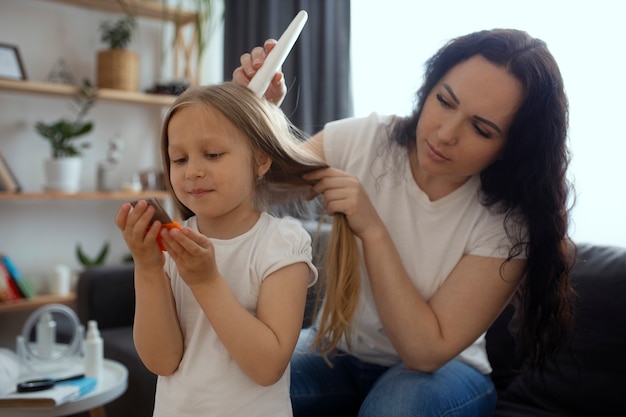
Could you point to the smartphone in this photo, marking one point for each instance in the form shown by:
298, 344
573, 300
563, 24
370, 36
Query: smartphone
161, 215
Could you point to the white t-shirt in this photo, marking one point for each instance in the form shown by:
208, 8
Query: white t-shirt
431, 236
208, 382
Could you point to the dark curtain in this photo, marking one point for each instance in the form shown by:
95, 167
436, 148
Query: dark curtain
317, 71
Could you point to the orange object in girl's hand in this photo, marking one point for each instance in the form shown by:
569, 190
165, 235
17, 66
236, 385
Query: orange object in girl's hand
161, 215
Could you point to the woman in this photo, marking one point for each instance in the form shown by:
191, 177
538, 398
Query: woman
459, 209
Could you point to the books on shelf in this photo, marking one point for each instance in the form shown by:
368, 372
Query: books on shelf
13, 286
8, 181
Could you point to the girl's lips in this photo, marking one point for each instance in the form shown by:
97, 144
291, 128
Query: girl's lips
435, 154
199, 193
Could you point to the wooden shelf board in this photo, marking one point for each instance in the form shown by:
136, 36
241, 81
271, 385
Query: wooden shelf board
37, 301
90, 195
106, 94
149, 9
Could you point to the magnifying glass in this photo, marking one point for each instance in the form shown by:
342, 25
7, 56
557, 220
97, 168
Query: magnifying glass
43, 383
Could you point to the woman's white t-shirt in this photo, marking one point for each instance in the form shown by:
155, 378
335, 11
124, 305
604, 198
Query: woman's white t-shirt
208, 382
430, 236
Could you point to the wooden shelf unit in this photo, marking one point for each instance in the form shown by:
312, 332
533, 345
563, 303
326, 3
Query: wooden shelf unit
185, 42
90, 195
37, 87
35, 302
149, 9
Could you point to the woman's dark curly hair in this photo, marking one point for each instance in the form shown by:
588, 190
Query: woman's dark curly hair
528, 182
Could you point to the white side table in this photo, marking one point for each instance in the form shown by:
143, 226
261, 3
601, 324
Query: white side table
111, 385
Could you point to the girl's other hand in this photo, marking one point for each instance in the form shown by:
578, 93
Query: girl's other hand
250, 64
193, 254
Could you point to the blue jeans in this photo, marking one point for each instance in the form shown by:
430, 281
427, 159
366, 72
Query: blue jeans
352, 387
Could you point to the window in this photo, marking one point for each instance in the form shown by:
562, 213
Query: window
392, 39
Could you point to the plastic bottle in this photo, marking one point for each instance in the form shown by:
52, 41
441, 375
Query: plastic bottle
46, 335
94, 353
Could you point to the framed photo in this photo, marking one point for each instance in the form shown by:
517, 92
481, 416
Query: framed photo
11, 63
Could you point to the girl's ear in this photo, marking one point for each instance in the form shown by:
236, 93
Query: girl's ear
263, 164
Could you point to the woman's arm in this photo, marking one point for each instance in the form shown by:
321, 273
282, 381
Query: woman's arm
426, 334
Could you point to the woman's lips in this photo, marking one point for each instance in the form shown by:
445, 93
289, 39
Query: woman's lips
435, 154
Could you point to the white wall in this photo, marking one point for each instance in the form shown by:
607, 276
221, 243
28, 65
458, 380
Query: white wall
38, 234
390, 43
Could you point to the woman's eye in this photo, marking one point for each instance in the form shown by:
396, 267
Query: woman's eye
482, 132
443, 101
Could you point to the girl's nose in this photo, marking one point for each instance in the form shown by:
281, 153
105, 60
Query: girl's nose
194, 169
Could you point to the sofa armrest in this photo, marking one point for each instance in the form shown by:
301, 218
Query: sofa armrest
107, 294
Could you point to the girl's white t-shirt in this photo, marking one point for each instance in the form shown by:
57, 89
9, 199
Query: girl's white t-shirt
430, 236
208, 382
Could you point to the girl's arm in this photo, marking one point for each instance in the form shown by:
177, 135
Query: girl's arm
261, 345
156, 330
426, 334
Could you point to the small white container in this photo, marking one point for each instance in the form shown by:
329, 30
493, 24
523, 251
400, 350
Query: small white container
94, 351
46, 335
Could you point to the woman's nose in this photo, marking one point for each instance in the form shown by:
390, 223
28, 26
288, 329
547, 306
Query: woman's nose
449, 130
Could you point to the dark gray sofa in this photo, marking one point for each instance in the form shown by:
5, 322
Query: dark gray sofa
590, 379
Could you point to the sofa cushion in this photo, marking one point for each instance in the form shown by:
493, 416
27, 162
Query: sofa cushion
591, 374
106, 294
139, 397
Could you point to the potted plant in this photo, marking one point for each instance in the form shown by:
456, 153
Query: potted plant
117, 67
62, 169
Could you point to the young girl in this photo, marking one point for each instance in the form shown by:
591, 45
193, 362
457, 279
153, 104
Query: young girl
218, 314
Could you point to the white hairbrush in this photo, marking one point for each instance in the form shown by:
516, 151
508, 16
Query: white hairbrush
275, 59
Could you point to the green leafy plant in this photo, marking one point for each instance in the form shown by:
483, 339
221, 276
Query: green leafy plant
63, 133
87, 261
118, 34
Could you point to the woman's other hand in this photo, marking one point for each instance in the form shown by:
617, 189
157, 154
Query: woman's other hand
250, 64
343, 193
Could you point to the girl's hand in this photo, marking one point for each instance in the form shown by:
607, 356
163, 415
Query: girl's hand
193, 254
139, 236
250, 64
343, 193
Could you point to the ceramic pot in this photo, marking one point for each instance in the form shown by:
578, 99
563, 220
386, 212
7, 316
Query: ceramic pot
63, 174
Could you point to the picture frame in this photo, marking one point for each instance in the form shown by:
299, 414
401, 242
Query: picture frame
11, 66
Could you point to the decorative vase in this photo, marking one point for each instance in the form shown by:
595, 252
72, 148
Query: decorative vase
118, 69
63, 174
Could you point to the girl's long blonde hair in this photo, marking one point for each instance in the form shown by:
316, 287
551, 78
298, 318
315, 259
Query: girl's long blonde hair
270, 133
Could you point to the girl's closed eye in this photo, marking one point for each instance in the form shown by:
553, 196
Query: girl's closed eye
178, 160
213, 155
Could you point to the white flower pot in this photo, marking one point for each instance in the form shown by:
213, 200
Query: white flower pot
63, 174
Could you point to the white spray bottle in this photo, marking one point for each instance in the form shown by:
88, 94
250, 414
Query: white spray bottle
94, 351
